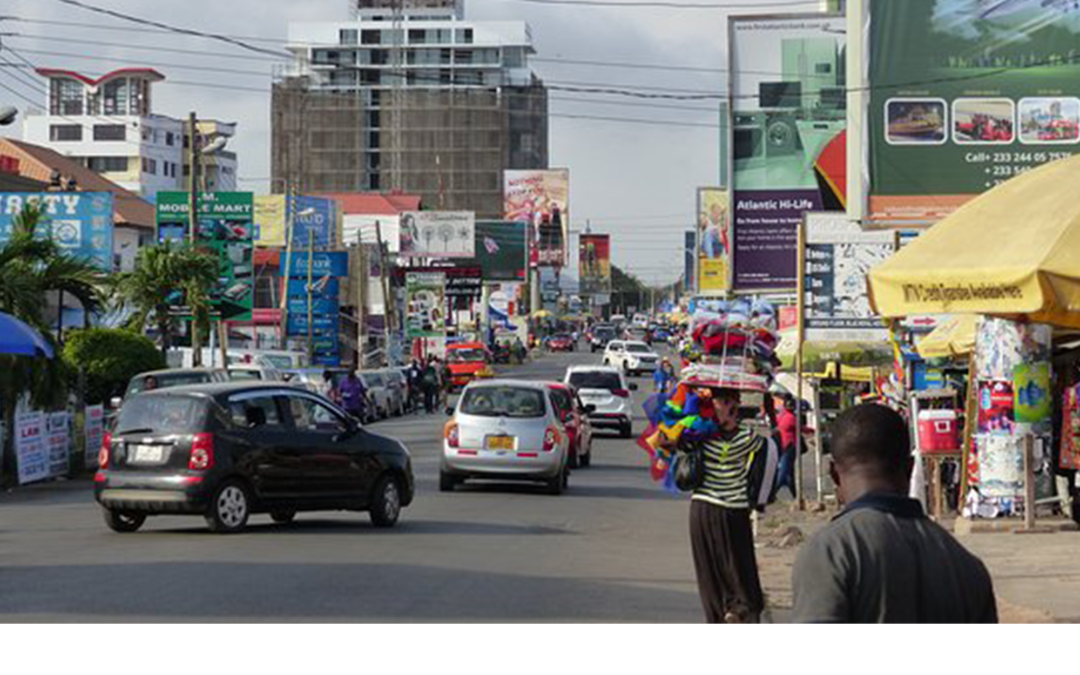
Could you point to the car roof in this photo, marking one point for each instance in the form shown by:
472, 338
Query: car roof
523, 384
593, 369
215, 389
173, 371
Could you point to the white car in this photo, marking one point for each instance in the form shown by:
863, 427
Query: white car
606, 389
632, 358
508, 430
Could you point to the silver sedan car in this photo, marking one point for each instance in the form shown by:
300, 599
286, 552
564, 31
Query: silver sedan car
506, 430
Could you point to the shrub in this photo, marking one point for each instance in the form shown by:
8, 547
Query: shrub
110, 357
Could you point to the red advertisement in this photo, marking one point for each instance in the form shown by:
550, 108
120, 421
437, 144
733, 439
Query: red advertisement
996, 408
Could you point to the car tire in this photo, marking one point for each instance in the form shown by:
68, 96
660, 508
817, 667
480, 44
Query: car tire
123, 521
385, 503
557, 484
283, 516
447, 482
229, 508
626, 430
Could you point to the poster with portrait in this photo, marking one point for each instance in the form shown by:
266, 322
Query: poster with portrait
425, 297
541, 198
714, 240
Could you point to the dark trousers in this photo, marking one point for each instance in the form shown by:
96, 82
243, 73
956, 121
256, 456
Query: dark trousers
722, 544
785, 472
430, 395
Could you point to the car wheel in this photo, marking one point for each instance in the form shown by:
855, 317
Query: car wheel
626, 430
447, 483
385, 502
124, 521
283, 515
557, 484
229, 508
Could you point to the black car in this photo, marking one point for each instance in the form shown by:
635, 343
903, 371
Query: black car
601, 336
226, 451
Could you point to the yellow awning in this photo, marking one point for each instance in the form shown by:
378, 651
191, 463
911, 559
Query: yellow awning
542, 314
1014, 251
954, 337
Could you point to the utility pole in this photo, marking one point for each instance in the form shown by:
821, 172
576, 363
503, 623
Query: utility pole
310, 294
290, 207
193, 224
388, 305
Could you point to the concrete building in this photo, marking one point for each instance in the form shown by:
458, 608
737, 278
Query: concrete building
108, 125
423, 102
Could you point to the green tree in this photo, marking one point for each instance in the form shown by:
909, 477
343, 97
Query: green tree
109, 358
163, 275
31, 268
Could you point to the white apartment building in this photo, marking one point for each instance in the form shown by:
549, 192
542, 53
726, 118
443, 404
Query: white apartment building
108, 125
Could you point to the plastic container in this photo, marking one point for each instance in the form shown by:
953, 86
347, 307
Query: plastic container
939, 432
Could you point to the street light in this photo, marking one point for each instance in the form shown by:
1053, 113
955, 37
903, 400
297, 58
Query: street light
8, 114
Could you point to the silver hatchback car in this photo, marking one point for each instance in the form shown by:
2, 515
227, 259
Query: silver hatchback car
508, 430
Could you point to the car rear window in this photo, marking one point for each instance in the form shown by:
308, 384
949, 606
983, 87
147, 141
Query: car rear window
465, 355
243, 375
596, 380
166, 380
605, 332
503, 402
158, 414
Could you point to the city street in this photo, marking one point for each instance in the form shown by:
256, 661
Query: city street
614, 548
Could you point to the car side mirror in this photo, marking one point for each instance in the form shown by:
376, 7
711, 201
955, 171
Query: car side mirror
633, 386
589, 409
349, 432
449, 412
115, 402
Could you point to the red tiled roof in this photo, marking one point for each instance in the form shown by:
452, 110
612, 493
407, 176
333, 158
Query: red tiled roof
38, 163
373, 203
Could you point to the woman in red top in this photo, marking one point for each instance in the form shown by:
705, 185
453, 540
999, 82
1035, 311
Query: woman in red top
788, 427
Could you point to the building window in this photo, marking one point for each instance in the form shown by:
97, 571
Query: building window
464, 36
370, 37
149, 166
347, 36
66, 97
107, 164
170, 138
116, 97
65, 132
110, 132
513, 57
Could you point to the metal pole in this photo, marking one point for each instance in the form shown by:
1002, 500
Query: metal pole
290, 207
388, 311
799, 503
1029, 481
310, 294
193, 224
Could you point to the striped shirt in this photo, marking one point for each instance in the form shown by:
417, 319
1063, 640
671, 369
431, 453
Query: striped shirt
727, 469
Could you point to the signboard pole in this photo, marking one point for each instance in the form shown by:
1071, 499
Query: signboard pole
388, 304
310, 290
223, 341
193, 227
799, 503
290, 206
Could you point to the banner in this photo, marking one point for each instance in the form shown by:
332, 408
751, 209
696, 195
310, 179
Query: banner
501, 250
714, 237
838, 256
314, 216
788, 138
323, 264
225, 227
81, 223
325, 304
965, 94
425, 294
58, 442
542, 199
31, 452
594, 264
269, 218
438, 234
94, 433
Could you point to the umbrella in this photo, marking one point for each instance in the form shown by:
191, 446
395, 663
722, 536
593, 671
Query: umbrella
1010, 252
20, 339
955, 337
542, 314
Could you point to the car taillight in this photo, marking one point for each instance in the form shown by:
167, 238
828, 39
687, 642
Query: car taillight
103, 453
551, 439
452, 434
202, 453
621, 393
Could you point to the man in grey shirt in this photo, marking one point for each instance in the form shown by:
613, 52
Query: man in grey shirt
881, 560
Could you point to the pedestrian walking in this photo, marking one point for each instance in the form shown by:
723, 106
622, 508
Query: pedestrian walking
664, 378
788, 426
353, 395
429, 383
325, 386
446, 380
413, 376
881, 560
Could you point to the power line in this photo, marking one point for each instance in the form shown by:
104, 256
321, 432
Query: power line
125, 29
151, 48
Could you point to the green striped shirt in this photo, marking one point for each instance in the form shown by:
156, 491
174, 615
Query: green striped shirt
727, 469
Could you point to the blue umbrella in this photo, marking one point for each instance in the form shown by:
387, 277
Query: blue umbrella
18, 338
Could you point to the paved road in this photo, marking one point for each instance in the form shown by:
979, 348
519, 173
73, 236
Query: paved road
613, 548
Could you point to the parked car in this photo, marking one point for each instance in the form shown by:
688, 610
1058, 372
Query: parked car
509, 430
602, 334
230, 450
606, 390
632, 358
397, 387
466, 361
172, 377
379, 396
561, 343
575, 417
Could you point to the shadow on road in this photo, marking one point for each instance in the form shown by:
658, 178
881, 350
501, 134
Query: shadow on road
306, 526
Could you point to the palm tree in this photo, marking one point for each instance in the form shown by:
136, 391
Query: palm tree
164, 276
31, 268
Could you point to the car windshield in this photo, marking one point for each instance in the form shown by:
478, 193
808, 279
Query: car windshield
279, 361
596, 380
503, 402
161, 414
166, 380
465, 355
637, 348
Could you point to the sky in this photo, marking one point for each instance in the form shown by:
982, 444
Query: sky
632, 180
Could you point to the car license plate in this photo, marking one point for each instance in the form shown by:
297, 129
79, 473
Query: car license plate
500, 442
147, 454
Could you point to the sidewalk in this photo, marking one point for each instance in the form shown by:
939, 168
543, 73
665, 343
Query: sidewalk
1036, 576
24, 494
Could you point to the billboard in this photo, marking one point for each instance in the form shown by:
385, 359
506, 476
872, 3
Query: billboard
425, 297
311, 216
225, 227
963, 95
788, 138
594, 263
837, 256
501, 250
81, 223
541, 198
437, 234
714, 235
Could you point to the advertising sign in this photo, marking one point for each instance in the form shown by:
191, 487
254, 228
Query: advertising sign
541, 198
501, 250
94, 433
690, 254
81, 223
838, 256
438, 234
963, 95
788, 138
225, 227
323, 264
269, 217
30, 450
310, 215
325, 306
594, 263
57, 442
426, 305
714, 235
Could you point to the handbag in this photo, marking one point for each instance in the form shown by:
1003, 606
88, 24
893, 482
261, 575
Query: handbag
690, 468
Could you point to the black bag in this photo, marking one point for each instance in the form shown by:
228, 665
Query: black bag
690, 467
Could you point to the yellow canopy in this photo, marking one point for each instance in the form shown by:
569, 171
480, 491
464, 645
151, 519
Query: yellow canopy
954, 337
542, 314
1014, 251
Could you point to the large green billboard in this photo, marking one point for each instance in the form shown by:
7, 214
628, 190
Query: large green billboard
501, 250
965, 94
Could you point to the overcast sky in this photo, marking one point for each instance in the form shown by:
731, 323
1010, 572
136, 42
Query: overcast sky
634, 181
